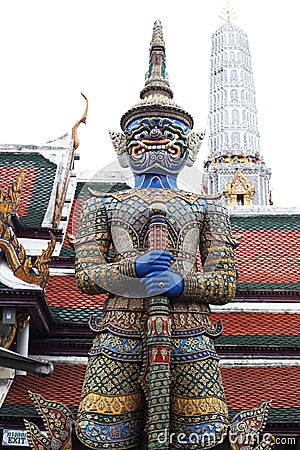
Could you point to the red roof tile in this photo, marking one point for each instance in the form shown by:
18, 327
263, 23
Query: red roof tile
64, 385
268, 256
74, 219
245, 387
253, 324
62, 291
9, 175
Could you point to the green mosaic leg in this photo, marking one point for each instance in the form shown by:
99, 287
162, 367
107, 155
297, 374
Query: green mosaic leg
158, 407
199, 416
112, 405
158, 376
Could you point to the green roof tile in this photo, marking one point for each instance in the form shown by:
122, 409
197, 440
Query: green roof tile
259, 340
278, 222
260, 286
278, 415
24, 411
72, 315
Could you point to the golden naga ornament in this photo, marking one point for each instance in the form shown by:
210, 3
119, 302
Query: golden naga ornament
61, 188
13, 250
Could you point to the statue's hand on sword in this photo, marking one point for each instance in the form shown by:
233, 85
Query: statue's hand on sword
153, 261
168, 283
153, 269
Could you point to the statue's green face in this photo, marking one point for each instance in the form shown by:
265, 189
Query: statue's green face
157, 145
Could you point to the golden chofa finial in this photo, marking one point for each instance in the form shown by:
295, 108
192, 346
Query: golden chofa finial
228, 13
81, 120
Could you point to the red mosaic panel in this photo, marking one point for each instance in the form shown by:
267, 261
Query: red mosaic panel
253, 324
268, 256
62, 291
8, 175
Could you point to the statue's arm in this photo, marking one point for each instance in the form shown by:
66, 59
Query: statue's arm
217, 282
94, 275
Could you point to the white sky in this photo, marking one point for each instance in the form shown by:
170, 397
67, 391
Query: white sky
53, 50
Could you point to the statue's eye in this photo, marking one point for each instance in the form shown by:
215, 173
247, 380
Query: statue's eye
142, 135
175, 151
169, 135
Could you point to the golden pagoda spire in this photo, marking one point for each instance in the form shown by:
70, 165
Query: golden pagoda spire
228, 13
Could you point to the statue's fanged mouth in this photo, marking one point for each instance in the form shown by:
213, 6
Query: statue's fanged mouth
165, 144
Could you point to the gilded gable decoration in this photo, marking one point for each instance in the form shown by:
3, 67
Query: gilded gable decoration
239, 191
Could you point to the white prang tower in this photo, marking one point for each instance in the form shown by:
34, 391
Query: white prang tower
234, 166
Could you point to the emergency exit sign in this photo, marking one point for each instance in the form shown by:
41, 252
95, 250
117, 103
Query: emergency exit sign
17, 438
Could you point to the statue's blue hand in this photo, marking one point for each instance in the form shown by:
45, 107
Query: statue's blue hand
153, 261
168, 283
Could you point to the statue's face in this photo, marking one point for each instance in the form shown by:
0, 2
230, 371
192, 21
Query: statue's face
157, 145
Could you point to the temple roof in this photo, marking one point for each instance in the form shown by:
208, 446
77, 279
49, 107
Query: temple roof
267, 257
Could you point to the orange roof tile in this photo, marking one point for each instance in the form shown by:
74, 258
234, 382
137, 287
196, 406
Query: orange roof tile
9, 175
247, 387
253, 324
268, 256
64, 385
61, 291
73, 221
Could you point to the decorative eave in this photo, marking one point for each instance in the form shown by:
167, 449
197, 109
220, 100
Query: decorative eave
34, 232
41, 318
32, 301
250, 295
239, 184
13, 360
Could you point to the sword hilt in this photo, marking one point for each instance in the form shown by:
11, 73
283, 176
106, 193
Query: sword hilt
158, 230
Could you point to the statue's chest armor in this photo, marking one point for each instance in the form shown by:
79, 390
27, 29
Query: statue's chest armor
129, 217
